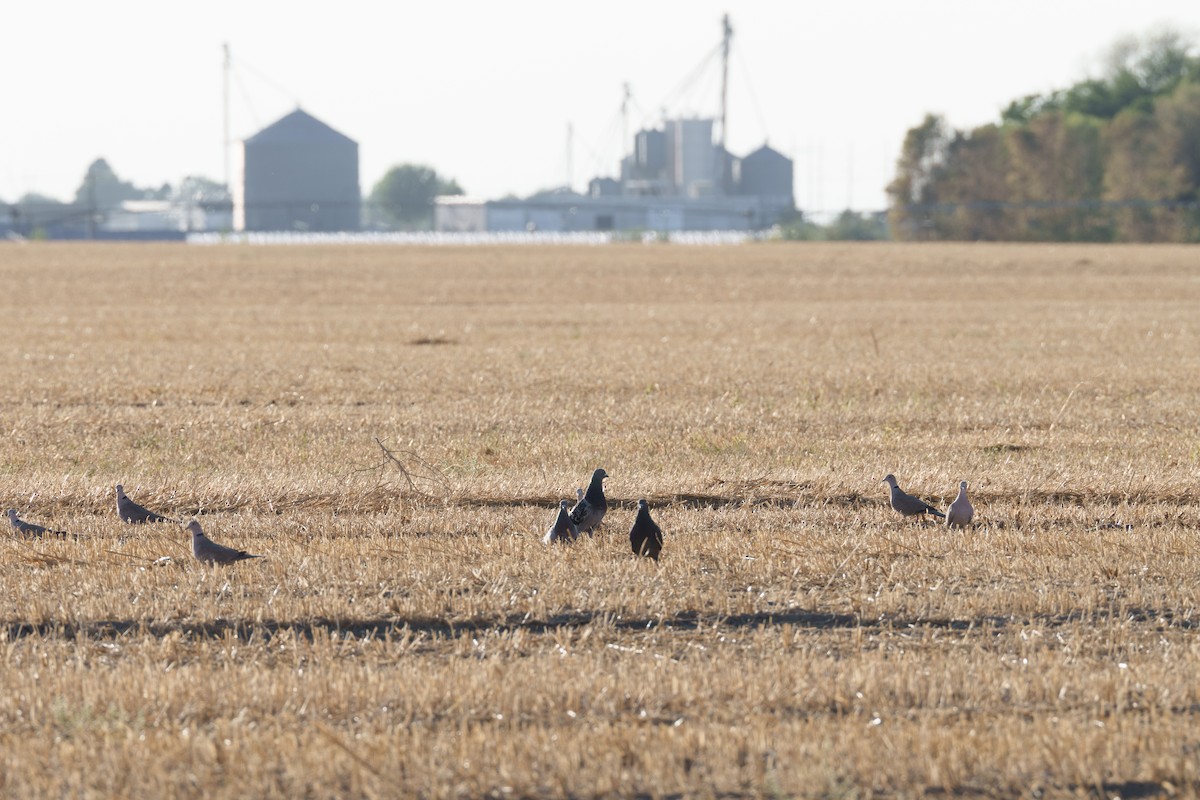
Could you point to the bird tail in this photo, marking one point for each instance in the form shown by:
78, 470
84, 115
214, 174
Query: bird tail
935, 512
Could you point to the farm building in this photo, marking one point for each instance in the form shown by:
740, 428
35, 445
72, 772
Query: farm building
675, 179
298, 174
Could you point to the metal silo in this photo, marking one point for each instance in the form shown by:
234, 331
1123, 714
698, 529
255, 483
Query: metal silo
766, 173
298, 174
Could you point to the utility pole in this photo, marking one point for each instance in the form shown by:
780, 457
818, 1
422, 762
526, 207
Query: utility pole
625, 115
570, 147
225, 105
726, 40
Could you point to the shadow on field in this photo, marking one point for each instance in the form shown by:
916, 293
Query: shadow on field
1127, 790
386, 628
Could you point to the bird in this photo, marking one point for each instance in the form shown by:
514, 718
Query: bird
563, 530
29, 528
205, 549
961, 511
132, 512
645, 537
906, 504
589, 511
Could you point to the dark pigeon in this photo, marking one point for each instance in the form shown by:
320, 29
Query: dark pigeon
589, 511
645, 537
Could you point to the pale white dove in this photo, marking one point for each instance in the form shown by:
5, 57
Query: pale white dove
961, 512
563, 530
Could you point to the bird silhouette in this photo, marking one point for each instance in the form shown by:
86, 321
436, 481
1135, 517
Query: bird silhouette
588, 512
563, 530
905, 503
132, 512
206, 550
645, 537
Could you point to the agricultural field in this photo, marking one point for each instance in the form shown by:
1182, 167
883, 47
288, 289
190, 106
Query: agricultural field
393, 428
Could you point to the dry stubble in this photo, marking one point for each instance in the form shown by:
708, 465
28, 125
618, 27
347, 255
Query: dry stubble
417, 639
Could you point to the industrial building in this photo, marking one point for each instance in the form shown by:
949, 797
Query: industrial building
297, 174
677, 177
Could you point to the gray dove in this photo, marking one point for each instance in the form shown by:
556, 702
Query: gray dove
29, 528
960, 512
563, 530
906, 504
132, 512
645, 537
588, 512
205, 549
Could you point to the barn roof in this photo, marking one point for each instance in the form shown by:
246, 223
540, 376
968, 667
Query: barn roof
298, 126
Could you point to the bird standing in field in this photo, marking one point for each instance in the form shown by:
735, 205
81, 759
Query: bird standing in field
208, 551
30, 528
132, 512
906, 504
961, 512
589, 511
563, 530
645, 537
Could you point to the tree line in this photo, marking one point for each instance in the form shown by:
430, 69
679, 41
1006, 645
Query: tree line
1110, 159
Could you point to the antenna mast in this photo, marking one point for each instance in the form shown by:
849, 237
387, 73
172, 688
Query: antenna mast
225, 104
726, 39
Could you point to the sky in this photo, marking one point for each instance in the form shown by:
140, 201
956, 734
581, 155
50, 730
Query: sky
518, 96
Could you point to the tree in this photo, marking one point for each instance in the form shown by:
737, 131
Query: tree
199, 191
1112, 158
403, 197
914, 190
102, 189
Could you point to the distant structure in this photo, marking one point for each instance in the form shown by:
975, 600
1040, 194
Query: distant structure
297, 174
677, 177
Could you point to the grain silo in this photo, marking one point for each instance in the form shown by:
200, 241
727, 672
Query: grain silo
766, 173
298, 174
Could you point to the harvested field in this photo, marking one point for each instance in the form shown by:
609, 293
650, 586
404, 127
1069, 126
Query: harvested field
394, 429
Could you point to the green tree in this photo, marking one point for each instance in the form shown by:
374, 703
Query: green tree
914, 190
1114, 157
102, 189
403, 197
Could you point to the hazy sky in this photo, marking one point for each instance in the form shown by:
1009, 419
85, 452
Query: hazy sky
484, 91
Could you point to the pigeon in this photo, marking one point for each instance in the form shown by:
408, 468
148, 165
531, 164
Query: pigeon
563, 530
906, 504
645, 537
29, 528
588, 512
132, 512
205, 549
960, 512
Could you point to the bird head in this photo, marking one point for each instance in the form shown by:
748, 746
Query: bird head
12, 514
890, 480
194, 528
643, 505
